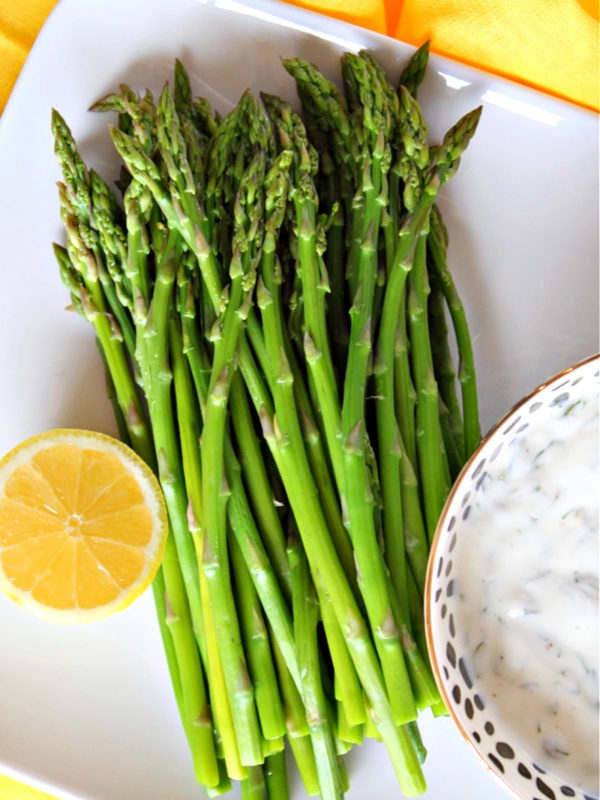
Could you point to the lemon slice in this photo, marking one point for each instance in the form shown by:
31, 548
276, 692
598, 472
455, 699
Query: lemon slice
83, 525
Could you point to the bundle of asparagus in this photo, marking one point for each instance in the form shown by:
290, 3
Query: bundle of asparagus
269, 299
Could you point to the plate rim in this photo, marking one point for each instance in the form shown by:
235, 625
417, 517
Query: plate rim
305, 14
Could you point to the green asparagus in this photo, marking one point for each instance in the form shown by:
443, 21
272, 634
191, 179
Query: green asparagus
273, 304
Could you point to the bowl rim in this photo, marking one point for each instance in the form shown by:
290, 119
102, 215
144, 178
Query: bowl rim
429, 577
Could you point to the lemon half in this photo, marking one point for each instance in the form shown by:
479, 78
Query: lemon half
83, 525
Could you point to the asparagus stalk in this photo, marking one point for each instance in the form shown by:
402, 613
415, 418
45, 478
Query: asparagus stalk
80, 213
314, 282
276, 777
395, 410
449, 408
215, 556
466, 369
171, 601
411, 157
358, 495
224, 350
265, 582
305, 628
329, 118
82, 263
271, 580
286, 444
189, 433
258, 648
268, 299
411, 79
260, 491
434, 472
414, 72
296, 724
253, 787
321, 373
193, 689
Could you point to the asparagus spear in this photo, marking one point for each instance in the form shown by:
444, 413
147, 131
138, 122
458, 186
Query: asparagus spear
411, 79
193, 688
437, 245
314, 283
189, 425
328, 124
276, 778
305, 625
414, 72
318, 96
450, 413
258, 648
435, 474
369, 93
225, 347
284, 437
286, 413
253, 787
170, 597
215, 555
395, 411
411, 157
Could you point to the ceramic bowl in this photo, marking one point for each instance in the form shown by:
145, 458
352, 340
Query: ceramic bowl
486, 657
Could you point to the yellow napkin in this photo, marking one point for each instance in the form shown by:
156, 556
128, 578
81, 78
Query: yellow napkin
20, 22
551, 45
13, 790
548, 44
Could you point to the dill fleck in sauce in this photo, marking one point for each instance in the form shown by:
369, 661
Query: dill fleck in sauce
531, 620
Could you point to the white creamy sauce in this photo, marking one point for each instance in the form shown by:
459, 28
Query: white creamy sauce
531, 619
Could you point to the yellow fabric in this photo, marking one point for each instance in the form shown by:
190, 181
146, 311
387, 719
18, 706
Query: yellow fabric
20, 22
549, 44
13, 790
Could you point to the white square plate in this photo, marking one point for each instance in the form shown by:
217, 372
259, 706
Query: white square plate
88, 712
